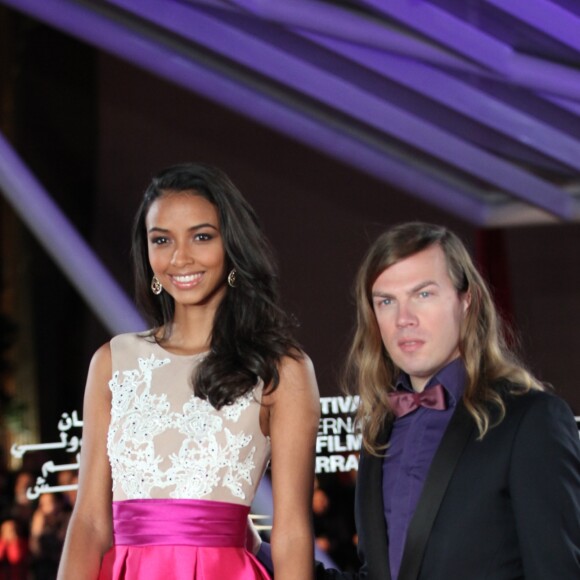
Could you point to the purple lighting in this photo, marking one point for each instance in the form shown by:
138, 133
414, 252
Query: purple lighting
548, 17
268, 108
350, 96
435, 98
64, 244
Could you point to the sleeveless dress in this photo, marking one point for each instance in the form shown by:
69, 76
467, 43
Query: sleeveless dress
184, 474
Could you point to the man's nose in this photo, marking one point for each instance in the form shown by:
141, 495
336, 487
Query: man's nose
406, 314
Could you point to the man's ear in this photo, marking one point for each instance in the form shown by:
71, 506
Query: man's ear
466, 301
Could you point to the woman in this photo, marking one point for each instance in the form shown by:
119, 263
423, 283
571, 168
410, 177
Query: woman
183, 430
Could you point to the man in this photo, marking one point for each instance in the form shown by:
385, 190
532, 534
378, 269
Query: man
469, 469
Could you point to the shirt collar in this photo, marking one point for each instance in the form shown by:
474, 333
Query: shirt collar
452, 376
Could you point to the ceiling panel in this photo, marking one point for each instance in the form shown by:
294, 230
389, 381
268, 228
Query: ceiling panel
471, 105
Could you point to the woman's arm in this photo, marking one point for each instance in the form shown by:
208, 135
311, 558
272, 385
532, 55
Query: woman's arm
294, 412
89, 533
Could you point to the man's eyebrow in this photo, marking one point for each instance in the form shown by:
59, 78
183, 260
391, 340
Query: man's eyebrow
379, 294
422, 285
416, 288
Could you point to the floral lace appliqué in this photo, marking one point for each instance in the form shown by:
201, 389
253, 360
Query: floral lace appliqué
211, 453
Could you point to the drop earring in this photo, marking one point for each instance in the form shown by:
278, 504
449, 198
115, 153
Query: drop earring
156, 286
232, 278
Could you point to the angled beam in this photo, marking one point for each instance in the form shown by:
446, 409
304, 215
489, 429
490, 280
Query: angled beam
570, 106
348, 97
324, 20
518, 214
463, 98
275, 110
306, 15
446, 29
339, 22
64, 244
336, 140
547, 17
522, 70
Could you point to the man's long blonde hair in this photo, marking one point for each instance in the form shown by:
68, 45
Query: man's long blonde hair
371, 372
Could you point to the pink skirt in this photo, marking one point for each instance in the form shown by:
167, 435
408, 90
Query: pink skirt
171, 539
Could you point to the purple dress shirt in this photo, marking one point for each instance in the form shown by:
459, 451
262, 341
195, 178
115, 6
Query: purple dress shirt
412, 446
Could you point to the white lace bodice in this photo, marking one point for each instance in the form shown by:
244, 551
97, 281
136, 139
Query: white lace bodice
164, 442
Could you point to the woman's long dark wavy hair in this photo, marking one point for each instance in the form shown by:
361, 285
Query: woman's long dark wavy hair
251, 332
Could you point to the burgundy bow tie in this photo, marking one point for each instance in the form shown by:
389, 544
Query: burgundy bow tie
403, 402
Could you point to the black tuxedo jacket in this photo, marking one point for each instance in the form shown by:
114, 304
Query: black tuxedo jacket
501, 508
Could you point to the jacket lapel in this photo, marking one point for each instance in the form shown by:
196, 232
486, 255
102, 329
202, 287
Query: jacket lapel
371, 513
452, 445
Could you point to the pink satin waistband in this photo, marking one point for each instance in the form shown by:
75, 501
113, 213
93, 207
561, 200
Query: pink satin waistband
190, 522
